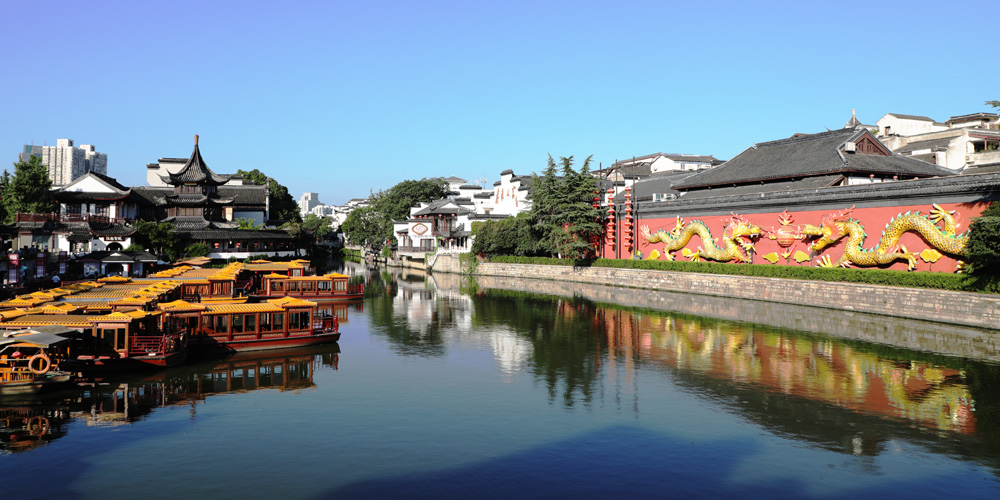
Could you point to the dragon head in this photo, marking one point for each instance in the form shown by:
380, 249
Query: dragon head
742, 232
830, 230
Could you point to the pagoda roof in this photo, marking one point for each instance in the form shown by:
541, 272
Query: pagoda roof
195, 171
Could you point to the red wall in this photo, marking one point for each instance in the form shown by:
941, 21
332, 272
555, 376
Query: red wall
874, 219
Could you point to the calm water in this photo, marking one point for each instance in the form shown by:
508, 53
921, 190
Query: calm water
441, 390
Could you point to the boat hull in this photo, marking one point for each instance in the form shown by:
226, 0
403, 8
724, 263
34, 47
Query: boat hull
211, 345
138, 362
42, 383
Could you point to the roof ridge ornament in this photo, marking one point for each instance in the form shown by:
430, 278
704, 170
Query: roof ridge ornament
195, 139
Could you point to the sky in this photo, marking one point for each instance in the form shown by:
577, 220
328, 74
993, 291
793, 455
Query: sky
348, 98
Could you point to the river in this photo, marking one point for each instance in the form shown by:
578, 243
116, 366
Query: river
446, 387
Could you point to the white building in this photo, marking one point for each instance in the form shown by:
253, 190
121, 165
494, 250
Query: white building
308, 202
961, 142
67, 163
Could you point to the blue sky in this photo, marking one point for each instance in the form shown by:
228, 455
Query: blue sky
342, 98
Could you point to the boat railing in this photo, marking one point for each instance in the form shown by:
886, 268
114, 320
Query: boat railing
355, 288
149, 344
325, 323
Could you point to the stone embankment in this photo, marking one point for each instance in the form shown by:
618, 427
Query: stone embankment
956, 308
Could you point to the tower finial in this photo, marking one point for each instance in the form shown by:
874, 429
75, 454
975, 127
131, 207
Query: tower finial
195, 139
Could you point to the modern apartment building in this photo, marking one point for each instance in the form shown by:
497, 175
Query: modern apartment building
67, 163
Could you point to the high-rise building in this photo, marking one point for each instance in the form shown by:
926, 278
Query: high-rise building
66, 163
307, 202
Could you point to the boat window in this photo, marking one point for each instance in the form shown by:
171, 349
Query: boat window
341, 285
265, 322
237, 323
293, 286
278, 321
250, 323
221, 324
308, 286
324, 286
119, 338
278, 286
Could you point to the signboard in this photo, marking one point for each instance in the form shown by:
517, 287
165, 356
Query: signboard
40, 264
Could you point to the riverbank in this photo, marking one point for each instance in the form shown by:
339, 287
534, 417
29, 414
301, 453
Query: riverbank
958, 308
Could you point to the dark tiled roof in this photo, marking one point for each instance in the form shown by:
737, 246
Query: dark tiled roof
806, 156
911, 117
483, 195
245, 195
233, 234
71, 196
117, 230
710, 159
195, 170
973, 116
439, 207
110, 180
931, 144
151, 195
659, 184
121, 256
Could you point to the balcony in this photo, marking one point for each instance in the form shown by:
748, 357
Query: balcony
982, 159
58, 217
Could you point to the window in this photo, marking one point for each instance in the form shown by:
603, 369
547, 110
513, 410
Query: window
323, 286
237, 323
220, 324
250, 323
298, 321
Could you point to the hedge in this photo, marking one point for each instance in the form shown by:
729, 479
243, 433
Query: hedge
888, 277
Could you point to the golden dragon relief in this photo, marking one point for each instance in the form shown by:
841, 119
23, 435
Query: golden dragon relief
836, 226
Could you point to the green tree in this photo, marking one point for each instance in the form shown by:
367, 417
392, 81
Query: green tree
363, 227
562, 210
283, 205
28, 190
372, 226
195, 250
995, 104
158, 238
983, 249
316, 227
513, 236
246, 223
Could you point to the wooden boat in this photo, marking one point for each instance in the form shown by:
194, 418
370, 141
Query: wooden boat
120, 340
31, 360
269, 324
328, 287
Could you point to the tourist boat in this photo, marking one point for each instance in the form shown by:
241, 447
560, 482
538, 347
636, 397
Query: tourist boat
119, 340
31, 360
328, 287
249, 326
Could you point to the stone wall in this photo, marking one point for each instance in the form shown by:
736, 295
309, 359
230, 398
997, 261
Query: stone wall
957, 308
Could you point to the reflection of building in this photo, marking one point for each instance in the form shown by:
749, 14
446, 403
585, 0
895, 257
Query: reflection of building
819, 370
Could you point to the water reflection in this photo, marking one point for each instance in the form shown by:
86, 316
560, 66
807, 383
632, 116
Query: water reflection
31, 422
843, 394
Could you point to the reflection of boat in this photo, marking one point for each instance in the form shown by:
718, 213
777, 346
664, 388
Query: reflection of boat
30, 361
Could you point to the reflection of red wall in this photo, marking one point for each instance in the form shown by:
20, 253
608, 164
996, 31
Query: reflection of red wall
874, 219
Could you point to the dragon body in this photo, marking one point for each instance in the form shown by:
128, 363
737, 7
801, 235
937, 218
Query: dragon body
735, 240
838, 225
